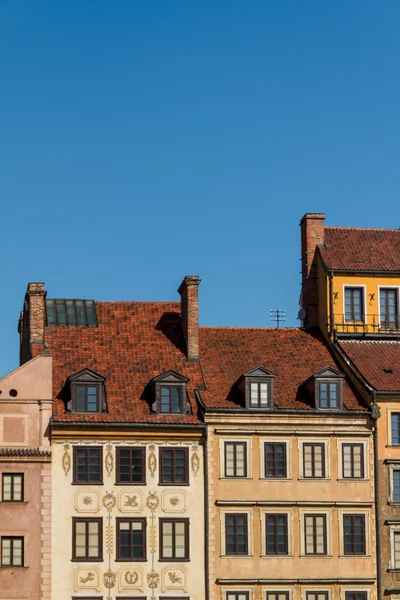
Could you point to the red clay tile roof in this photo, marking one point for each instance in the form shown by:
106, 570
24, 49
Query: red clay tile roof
372, 358
294, 355
134, 342
352, 249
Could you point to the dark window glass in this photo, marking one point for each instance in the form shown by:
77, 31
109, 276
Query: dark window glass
259, 394
13, 487
356, 596
131, 465
389, 302
131, 539
354, 304
328, 394
353, 461
315, 534
276, 534
87, 536
87, 398
174, 466
171, 399
396, 428
12, 551
174, 539
354, 534
235, 459
275, 459
237, 596
88, 465
236, 541
313, 460
71, 312
277, 596
317, 595
396, 485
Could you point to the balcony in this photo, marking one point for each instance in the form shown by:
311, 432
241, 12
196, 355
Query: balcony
370, 325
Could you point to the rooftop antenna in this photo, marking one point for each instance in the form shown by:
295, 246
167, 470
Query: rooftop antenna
277, 315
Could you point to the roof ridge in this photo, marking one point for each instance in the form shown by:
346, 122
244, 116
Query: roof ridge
362, 228
137, 301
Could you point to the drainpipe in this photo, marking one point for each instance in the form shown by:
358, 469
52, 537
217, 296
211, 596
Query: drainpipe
376, 413
331, 317
206, 518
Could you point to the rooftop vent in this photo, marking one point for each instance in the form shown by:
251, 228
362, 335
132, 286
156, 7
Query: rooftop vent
71, 312
388, 370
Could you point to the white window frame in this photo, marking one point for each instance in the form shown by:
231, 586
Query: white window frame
392, 467
393, 529
303, 514
319, 588
238, 589
249, 514
394, 287
340, 459
350, 511
248, 443
301, 459
263, 549
354, 590
277, 590
364, 305
288, 443
390, 411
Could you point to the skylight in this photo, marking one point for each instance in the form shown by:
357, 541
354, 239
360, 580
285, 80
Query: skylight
71, 312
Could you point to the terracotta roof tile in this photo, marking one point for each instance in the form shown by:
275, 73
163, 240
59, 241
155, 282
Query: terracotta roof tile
372, 358
24, 452
294, 355
352, 249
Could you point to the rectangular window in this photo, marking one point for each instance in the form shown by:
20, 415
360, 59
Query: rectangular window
317, 595
131, 465
396, 485
276, 534
354, 534
259, 394
236, 534
237, 596
13, 487
353, 461
171, 399
329, 394
396, 549
87, 398
174, 539
88, 465
315, 534
12, 551
356, 595
131, 539
353, 298
174, 466
395, 429
275, 459
313, 460
277, 596
87, 539
235, 459
389, 302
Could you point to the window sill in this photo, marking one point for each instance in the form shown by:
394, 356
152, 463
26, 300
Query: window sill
14, 502
275, 479
236, 478
315, 555
354, 556
236, 556
169, 484
390, 570
130, 560
87, 560
276, 556
14, 567
132, 484
91, 483
314, 479
394, 503
359, 479
174, 560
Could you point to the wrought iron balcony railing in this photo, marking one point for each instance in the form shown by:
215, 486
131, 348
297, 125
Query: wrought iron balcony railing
367, 324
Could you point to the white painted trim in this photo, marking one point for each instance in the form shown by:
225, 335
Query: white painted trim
392, 468
350, 285
263, 540
279, 590
391, 411
249, 462
316, 588
249, 514
301, 458
365, 445
304, 513
393, 529
341, 515
232, 590
288, 443
379, 300
354, 590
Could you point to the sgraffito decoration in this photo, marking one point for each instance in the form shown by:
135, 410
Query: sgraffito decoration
87, 579
152, 460
109, 459
195, 460
109, 577
153, 578
174, 579
130, 579
66, 459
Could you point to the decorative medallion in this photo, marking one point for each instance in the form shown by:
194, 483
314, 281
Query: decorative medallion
130, 579
152, 460
152, 501
153, 579
66, 459
109, 579
174, 579
87, 579
87, 502
173, 502
195, 460
109, 459
109, 500
130, 501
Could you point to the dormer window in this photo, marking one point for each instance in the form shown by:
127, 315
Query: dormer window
86, 392
328, 389
169, 394
257, 388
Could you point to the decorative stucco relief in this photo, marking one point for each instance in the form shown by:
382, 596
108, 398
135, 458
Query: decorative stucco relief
153, 578
87, 579
195, 459
109, 459
173, 501
130, 579
66, 459
130, 502
152, 460
174, 579
87, 502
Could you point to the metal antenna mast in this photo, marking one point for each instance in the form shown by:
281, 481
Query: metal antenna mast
277, 315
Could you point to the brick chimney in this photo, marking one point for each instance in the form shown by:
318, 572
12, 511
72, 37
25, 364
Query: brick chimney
32, 321
189, 291
312, 235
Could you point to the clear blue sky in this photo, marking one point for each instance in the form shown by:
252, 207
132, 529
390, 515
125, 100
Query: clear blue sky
141, 141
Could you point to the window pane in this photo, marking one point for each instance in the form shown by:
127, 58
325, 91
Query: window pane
396, 486
176, 400
396, 536
396, 428
7, 479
